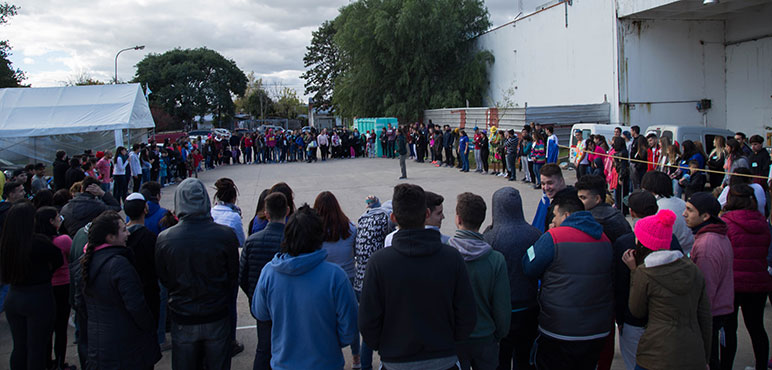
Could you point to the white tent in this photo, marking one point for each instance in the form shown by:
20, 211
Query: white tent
36, 122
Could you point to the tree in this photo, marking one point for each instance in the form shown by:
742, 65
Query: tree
192, 82
9, 77
323, 64
83, 78
287, 105
255, 100
404, 56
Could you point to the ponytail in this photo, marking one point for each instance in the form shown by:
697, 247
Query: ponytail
226, 190
108, 223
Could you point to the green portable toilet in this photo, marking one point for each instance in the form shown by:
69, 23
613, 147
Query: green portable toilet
377, 124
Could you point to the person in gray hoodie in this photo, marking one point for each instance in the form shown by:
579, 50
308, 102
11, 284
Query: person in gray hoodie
490, 286
512, 235
197, 260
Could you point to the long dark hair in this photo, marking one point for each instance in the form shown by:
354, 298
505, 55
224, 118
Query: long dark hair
736, 149
741, 196
643, 146
18, 231
43, 218
119, 153
260, 210
303, 233
107, 223
334, 221
283, 188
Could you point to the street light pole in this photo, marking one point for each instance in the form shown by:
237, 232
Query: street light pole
138, 47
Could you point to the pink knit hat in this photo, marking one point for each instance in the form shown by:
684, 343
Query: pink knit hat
656, 232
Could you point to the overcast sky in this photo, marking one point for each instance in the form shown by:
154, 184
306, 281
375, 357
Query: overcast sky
55, 40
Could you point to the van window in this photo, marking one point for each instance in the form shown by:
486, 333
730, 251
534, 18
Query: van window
709, 143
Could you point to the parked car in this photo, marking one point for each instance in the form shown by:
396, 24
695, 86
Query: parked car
193, 135
306, 129
264, 128
678, 134
223, 132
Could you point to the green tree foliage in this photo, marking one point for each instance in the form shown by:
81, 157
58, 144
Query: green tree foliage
192, 82
404, 56
323, 64
9, 77
287, 105
255, 100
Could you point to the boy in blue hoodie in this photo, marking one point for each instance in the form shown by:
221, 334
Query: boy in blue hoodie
490, 286
295, 280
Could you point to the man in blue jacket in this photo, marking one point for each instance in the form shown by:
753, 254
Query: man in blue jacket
553, 185
257, 252
574, 261
151, 190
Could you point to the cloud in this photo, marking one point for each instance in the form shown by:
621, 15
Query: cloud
268, 37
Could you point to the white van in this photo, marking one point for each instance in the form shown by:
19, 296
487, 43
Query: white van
678, 134
594, 129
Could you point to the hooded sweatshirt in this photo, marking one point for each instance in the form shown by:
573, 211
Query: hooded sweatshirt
490, 285
416, 300
197, 260
511, 235
614, 224
670, 289
303, 338
712, 253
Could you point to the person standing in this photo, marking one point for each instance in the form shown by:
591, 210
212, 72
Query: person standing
511, 235
447, 144
109, 291
574, 261
401, 149
659, 184
47, 222
61, 164
553, 185
324, 144
400, 291
200, 308
477, 141
463, 151
391, 136
135, 167
27, 263
712, 253
258, 251
104, 169
750, 237
511, 150
591, 190
539, 156
298, 278
669, 289
553, 148
490, 285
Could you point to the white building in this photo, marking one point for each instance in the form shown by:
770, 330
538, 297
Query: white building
653, 61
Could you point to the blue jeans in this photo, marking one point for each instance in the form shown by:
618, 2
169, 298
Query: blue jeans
366, 358
464, 162
162, 314
536, 170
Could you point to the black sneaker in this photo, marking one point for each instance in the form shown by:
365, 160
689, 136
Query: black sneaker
236, 348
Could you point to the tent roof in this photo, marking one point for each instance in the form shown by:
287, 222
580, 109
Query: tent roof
47, 111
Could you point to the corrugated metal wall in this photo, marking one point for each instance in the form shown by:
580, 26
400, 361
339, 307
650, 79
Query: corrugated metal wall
513, 118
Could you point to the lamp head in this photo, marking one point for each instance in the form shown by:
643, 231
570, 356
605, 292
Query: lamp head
143, 46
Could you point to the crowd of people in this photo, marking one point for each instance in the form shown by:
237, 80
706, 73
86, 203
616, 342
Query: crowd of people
553, 293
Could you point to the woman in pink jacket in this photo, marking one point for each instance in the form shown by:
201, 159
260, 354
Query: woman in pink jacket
749, 233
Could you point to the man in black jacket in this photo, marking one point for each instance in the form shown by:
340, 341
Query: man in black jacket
197, 260
406, 313
258, 250
60, 169
142, 242
74, 173
447, 143
87, 205
591, 190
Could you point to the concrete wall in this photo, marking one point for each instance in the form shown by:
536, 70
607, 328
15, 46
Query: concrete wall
666, 66
749, 73
541, 62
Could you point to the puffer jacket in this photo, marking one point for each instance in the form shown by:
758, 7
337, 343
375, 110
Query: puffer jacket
511, 235
121, 330
85, 207
614, 224
197, 260
259, 249
670, 290
750, 237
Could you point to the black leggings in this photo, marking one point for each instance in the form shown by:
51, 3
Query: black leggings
517, 344
484, 160
752, 305
62, 300
30, 311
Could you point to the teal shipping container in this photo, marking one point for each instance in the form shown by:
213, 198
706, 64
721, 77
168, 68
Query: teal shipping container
377, 124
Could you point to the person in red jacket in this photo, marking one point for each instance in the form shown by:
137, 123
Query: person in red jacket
653, 151
712, 253
749, 233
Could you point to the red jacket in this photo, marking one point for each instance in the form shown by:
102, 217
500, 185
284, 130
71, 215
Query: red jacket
750, 237
652, 156
712, 253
